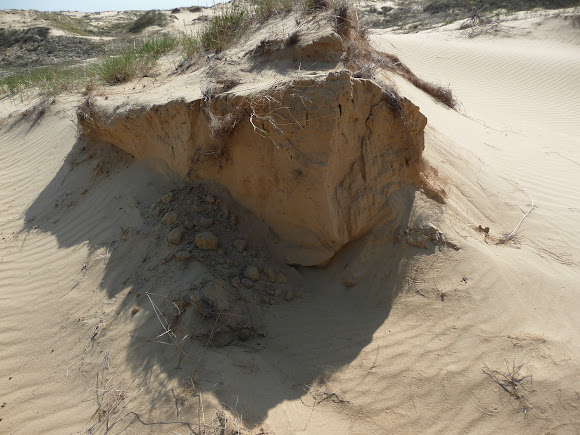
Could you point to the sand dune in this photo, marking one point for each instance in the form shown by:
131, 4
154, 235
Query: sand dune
411, 345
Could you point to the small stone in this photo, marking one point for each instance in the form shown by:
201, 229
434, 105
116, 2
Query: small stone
240, 244
167, 198
244, 334
183, 255
270, 291
197, 208
170, 218
189, 225
289, 295
134, 311
206, 241
209, 199
252, 273
221, 252
229, 263
175, 236
247, 283
235, 281
206, 222
270, 273
271, 301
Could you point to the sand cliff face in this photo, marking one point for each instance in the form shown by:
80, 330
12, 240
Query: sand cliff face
315, 158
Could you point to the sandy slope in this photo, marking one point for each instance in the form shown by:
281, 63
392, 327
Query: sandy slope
401, 352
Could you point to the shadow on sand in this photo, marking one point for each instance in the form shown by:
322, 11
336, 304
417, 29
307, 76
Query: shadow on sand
102, 197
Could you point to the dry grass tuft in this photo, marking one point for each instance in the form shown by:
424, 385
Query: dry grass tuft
364, 60
512, 381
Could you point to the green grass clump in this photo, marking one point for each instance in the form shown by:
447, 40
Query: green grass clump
264, 9
224, 28
147, 19
48, 80
123, 68
135, 63
158, 46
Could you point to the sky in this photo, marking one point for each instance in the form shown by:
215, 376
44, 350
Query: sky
100, 5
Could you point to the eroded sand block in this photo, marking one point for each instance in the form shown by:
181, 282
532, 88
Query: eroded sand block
317, 158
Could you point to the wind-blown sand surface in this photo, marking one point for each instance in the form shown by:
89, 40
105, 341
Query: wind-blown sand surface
405, 350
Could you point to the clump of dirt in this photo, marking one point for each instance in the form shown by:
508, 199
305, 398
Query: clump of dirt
200, 226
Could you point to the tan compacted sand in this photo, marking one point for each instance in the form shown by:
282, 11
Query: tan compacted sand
118, 314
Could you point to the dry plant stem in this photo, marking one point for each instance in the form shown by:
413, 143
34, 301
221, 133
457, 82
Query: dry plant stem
515, 230
165, 324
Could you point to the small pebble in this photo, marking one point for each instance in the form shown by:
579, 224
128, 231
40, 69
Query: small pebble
206, 241
206, 222
235, 282
183, 255
247, 283
240, 244
167, 198
244, 334
189, 225
175, 236
252, 273
170, 218
209, 199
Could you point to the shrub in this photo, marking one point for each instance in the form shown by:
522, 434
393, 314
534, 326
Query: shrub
147, 19
223, 28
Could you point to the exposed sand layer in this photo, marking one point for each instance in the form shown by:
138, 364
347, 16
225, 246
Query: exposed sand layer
458, 317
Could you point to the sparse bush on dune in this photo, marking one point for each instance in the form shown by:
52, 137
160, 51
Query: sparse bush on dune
124, 68
224, 28
48, 81
147, 19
